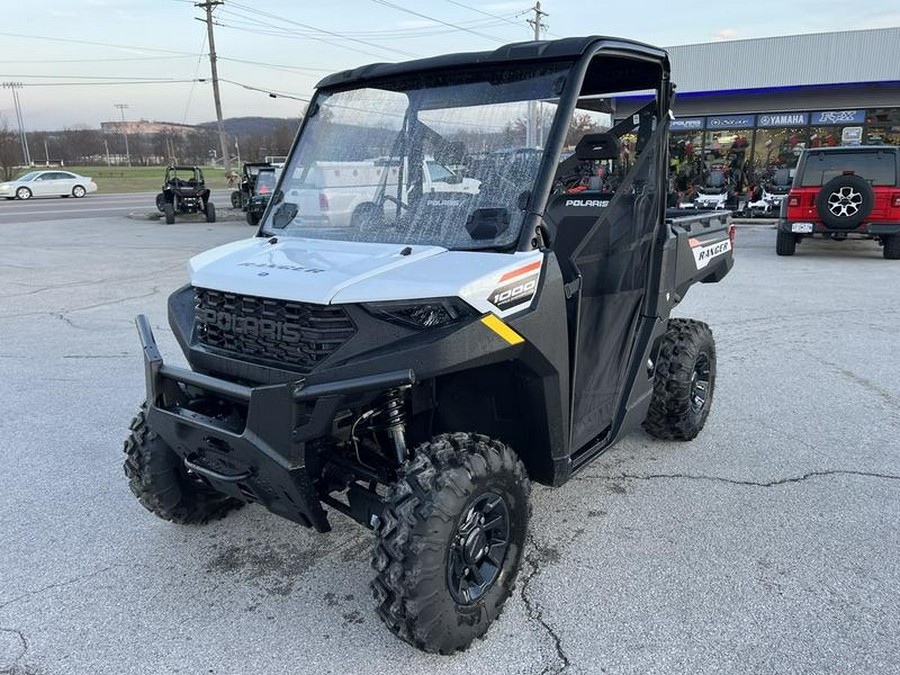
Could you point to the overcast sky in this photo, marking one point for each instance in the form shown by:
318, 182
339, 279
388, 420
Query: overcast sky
286, 46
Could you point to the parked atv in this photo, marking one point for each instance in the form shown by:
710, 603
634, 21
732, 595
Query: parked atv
417, 372
770, 195
262, 193
184, 191
240, 198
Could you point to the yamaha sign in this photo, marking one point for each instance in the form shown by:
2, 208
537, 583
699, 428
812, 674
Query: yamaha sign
791, 119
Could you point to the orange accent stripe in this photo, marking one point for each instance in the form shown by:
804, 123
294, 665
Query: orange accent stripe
694, 243
522, 270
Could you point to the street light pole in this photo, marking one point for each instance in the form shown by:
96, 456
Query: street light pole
122, 108
20, 119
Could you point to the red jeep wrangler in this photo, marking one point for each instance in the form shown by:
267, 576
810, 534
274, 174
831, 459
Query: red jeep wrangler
844, 192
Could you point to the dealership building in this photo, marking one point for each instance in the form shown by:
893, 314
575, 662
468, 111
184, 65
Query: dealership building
763, 101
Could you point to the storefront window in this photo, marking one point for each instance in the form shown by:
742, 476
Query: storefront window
729, 152
825, 137
779, 148
686, 158
883, 126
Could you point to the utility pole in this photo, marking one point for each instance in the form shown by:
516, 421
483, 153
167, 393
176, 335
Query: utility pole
532, 132
122, 108
209, 5
20, 119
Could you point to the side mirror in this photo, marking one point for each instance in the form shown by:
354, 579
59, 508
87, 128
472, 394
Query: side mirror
284, 215
487, 223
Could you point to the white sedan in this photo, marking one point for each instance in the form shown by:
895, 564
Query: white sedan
47, 184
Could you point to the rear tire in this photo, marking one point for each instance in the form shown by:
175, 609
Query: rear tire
210, 212
78, 192
891, 249
235, 200
169, 210
684, 382
450, 541
157, 477
161, 202
785, 243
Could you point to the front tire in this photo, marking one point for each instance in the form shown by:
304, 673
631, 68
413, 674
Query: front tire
684, 381
169, 211
891, 249
252, 219
23, 193
210, 211
450, 541
785, 243
157, 477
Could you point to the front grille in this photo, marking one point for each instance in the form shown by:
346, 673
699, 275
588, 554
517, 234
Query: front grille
293, 335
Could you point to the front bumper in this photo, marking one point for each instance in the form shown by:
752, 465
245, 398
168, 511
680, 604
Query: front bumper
251, 443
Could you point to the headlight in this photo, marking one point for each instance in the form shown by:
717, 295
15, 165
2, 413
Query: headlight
421, 314
5, 187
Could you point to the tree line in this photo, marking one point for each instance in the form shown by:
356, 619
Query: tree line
93, 147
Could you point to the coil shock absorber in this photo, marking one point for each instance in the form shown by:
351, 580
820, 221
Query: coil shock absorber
392, 419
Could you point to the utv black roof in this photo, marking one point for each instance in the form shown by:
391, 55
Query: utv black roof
566, 49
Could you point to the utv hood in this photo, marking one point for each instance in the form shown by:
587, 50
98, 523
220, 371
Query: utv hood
304, 270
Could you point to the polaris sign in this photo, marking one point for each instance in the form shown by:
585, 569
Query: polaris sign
792, 119
687, 124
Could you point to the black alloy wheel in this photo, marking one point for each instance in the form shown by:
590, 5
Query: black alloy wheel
478, 548
700, 382
450, 541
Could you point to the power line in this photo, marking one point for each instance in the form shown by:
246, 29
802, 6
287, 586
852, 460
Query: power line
102, 84
105, 60
518, 24
122, 108
130, 48
445, 23
254, 11
277, 65
187, 107
20, 118
272, 93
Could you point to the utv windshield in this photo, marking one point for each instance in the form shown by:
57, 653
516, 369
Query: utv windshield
446, 159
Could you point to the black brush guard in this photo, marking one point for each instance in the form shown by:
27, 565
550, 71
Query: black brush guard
260, 456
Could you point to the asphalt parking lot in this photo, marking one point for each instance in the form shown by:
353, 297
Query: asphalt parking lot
769, 544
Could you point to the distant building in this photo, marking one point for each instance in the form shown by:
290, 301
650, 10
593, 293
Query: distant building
148, 128
758, 103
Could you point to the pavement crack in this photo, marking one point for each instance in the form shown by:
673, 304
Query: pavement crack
21, 655
732, 481
58, 584
535, 556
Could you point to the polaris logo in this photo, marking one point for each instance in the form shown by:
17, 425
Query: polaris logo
596, 203
267, 329
443, 202
704, 253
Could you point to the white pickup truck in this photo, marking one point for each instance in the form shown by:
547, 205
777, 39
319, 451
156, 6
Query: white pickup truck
340, 193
